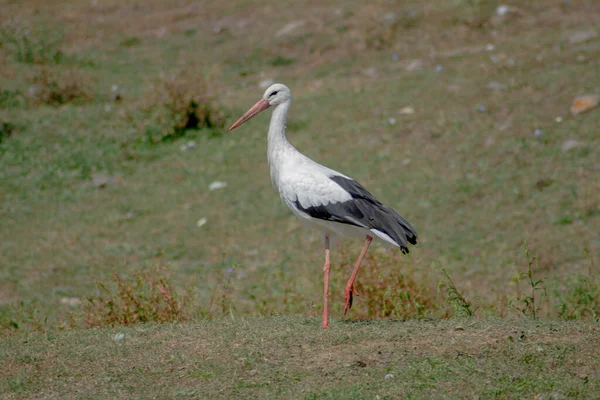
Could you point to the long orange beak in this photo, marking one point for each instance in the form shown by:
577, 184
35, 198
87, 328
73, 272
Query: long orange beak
259, 107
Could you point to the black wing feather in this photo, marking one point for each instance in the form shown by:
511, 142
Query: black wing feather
364, 210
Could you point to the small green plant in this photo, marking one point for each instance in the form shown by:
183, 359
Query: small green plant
148, 296
280, 61
178, 103
61, 86
22, 317
455, 297
580, 297
529, 305
7, 129
10, 98
222, 292
30, 46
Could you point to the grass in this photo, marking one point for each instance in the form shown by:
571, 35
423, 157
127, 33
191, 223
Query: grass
478, 164
291, 357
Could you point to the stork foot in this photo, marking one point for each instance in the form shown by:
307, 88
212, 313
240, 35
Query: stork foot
348, 292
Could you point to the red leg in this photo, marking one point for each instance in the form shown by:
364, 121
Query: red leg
326, 284
350, 285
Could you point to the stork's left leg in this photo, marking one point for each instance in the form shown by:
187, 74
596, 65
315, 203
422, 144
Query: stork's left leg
350, 285
326, 268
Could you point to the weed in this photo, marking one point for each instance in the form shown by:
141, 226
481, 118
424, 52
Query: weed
456, 297
131, 42
31, 47
24, 317
57, 87
280, 61
383, 34
388, 293
580, 298
529, 304
148, 297
475, 14
222, 292
11, 98
177, 103
7, 129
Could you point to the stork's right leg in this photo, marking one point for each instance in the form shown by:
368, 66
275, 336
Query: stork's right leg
350, 285
326, 268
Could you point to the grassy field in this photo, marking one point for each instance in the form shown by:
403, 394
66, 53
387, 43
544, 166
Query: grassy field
456, 116
292, 358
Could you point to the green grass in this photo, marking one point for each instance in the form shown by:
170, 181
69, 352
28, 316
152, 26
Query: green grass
466, 168
293, 358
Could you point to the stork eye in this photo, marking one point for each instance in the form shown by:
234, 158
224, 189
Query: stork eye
274, 93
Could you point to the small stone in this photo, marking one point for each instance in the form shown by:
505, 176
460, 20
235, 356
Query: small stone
493, 85
101, 180
569, 145
118, 337
583, 36
584, 103
388, 376
289, 28
70, 301
201, 222
504, 10
414, 65
406, 110
217, 185
187, 145
370, 72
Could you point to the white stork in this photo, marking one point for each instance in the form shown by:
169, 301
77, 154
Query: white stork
324, 198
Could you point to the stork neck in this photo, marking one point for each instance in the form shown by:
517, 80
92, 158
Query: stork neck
277, 139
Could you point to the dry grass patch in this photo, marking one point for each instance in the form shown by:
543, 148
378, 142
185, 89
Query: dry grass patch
148, 296
178, 102
58, 86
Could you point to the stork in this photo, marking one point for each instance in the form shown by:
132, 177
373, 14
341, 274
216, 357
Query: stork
324, 198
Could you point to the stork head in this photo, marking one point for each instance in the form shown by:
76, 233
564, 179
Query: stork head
275, 95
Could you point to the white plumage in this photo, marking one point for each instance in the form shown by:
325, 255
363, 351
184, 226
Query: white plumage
323, 197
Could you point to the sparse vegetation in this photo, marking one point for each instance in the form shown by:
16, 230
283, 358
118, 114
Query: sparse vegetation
455, 297
178, 103
31, 46
61, 86
388, 290
7, 129
529, 303
148, 297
